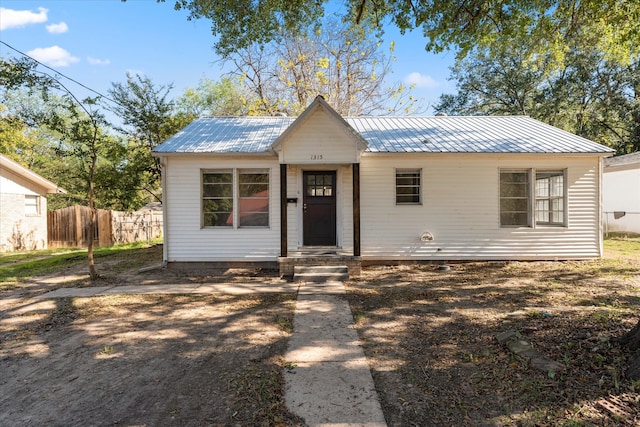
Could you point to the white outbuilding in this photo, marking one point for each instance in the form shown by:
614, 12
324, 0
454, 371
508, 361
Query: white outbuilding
372, 189
621, 194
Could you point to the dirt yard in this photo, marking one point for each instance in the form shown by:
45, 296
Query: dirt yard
429, 335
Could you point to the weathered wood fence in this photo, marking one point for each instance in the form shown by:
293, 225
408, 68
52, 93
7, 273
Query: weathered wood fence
69, 227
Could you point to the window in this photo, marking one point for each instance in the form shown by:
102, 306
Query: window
550, 198
253, 199
319, 185
31, 205
514, 198
226, 192
408, 186
518, 205
217, 199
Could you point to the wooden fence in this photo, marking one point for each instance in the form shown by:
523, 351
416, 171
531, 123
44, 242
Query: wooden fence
69, 227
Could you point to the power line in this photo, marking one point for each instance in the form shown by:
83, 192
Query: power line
60, 74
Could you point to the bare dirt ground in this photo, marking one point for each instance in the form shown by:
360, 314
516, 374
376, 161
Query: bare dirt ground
429, 336
134, 360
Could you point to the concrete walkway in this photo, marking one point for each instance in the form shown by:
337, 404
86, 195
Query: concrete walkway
328, 381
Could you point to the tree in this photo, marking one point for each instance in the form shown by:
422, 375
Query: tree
541, 25
148, 118
213, 98
76, 122
590, 96
339, 61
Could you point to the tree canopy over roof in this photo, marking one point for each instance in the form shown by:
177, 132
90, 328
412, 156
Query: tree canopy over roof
543, 25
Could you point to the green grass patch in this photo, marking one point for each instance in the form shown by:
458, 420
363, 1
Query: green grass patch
17, 267
622, 245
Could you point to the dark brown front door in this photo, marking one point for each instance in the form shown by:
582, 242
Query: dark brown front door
319, 208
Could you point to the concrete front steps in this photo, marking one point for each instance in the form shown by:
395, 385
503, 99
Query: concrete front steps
320, 273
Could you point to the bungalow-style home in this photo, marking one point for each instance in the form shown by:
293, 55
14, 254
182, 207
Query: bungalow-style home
379, 189
23, 207
621, 193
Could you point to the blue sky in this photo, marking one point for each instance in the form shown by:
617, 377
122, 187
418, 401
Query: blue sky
97, 42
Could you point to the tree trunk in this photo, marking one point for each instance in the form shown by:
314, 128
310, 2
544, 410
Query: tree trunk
631, 340
93, 273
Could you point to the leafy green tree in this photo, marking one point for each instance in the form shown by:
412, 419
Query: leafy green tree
77, 124
148, 118
590, 95
540, 25
225, 97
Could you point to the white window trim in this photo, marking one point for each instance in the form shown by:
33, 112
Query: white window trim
235, 182
531, 214
395, 186
38, 209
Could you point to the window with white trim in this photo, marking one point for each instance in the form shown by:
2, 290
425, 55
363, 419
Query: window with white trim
550, 197
253, 198
408, 186
531, 197
235, 198
31, 205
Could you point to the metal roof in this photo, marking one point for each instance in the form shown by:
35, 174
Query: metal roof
434, 134
226, 135
624, 160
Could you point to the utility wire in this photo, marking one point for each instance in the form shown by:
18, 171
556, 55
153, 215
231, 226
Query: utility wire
60, 74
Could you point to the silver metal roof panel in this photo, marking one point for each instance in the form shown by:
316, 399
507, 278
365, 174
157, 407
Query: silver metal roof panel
436, 134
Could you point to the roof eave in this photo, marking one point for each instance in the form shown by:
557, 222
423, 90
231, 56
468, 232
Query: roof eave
266, 154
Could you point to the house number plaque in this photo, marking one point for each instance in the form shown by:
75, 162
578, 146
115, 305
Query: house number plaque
316, 157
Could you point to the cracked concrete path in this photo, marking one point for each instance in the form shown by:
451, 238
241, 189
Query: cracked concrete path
328, 382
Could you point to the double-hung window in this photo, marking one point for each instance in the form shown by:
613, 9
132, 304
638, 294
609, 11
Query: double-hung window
235, 198
217, 198
532, 197
550, 197
408, 186
253, 198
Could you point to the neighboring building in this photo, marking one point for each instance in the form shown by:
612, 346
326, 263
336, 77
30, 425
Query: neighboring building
621, 194
23, 207
265, 189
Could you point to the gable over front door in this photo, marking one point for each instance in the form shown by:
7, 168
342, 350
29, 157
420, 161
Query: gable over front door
319, 208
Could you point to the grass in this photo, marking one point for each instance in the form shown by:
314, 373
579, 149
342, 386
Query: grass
622, 245
16, 267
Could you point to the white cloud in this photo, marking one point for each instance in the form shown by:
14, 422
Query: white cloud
19, 18
54, 56
58, 28
420, 80
96, 61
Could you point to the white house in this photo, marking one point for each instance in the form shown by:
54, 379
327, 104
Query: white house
268, 189
23, 207
621, 193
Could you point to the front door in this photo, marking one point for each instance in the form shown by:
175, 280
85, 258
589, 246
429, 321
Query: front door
319, 208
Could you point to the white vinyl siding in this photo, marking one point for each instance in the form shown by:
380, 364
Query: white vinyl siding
319, 141
188, 241
621, 193
462, 209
